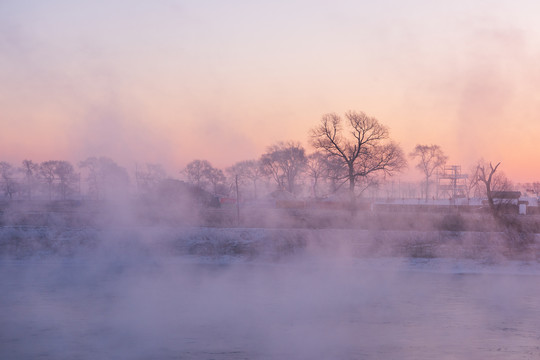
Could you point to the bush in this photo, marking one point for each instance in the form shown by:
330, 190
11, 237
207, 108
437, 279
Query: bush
452, 222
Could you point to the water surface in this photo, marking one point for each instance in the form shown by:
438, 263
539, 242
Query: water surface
193, 308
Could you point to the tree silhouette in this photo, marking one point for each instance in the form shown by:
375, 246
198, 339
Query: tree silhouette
362, 149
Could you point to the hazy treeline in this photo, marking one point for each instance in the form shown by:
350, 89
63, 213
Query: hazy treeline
60, 179
353, 156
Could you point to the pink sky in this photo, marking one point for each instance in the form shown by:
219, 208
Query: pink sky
170, 81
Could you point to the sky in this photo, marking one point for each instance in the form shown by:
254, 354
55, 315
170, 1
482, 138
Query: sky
169, 81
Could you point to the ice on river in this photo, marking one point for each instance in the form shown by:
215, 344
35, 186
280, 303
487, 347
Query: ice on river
179, 307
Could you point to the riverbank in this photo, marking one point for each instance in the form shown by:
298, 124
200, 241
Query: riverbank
268, 243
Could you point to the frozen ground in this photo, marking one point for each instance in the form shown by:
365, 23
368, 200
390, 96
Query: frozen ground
122, 302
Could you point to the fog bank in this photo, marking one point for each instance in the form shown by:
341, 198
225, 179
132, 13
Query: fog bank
165, 293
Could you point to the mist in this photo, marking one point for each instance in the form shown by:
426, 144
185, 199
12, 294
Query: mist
209, 293
168, 269
186, 180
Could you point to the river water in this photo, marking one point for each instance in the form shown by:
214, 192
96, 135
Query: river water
162, 307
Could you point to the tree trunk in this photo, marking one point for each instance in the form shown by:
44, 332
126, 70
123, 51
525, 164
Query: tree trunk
351, 180
290, 185
352, 184
490, 199
255, 189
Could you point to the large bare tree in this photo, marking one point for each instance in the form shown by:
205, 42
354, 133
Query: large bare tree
362, 145
430, 158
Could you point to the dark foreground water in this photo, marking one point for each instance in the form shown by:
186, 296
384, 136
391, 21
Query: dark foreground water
112, 307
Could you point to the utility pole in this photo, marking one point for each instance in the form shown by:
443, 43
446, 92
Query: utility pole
237, 202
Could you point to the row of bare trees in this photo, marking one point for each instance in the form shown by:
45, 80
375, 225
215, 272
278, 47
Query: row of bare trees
56, 178
352, 153
59, 179
355, 150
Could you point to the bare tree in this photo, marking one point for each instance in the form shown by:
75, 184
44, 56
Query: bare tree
534, 188
149, 177
485, 175
196, 172
67, 178
494, 182
284, 161
31, 176
93, 177
202, 174
430, 158
473, 186
104, 176
247, 170
216, 178
8, 181
518, 233
363, 149
317, 168
59, 174
47, 173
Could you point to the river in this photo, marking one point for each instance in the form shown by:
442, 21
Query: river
180, 307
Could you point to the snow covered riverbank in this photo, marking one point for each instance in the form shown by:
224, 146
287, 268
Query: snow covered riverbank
258, 243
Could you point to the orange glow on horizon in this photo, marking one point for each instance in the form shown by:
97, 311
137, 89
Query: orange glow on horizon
223, 86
